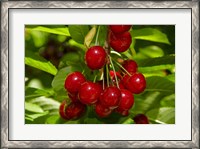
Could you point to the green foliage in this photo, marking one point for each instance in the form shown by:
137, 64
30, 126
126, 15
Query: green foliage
153, 48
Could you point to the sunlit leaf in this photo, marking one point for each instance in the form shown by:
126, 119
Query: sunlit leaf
152, 51
89, 37
33, 107
150, 34
60, 30
33, 60
162, 115
37, 115
168, 101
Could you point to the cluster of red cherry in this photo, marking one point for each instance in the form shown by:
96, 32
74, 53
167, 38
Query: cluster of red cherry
114, 93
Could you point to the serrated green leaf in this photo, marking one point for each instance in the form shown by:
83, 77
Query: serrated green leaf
33, 60
78, 32
150, 34
128, 121
33, 107
59, 30
52, 119
160, 84
165, 115
59, 79
154, 68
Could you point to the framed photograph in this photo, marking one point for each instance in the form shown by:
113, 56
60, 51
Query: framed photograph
99, 74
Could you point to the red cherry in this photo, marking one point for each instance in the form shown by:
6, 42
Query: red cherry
62, 109
130, 65
111, 97
141, 119
125, 80
127, 100
118, 29
102, 111
136, 83
89, 92
112, 74
95, 57
74, 81
120, 42
75, 110
122, 112
73, 97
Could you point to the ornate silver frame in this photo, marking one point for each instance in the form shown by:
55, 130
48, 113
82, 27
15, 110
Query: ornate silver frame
6, 143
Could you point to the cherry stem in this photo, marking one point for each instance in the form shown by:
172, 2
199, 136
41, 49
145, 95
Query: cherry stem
95, 79
122, 68
114, 71
97, 36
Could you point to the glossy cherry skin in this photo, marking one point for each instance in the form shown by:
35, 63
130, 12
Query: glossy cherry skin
127, 100
102, 111
112, 75
122, 112
120, 42
95, 57
118, 29
74, 110
136, 83
125, 80
141, 119
62, 109
89, 93
111, 97
74, 81
130, 65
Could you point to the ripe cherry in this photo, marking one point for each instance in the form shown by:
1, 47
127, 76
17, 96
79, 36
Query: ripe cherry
125, 80
74, 81
122, 112
102, 111
89, 92
136, 83
141, 119
62, 109
75, 110
95, 57
112, 75
111, 97
118, 29
120, 42
127, 100
130, 65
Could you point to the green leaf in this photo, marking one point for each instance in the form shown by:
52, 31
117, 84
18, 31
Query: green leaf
54, 119
150, 34
59, 79
59, 30
38, 62
78, 32
33, 107
152, 51
154, 68
128, 121
170, 59
31, 93
89, 37
47, 104
165, 115
37, 115
168, 101
171, 77
160, 84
